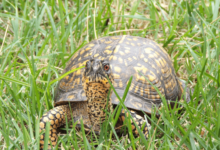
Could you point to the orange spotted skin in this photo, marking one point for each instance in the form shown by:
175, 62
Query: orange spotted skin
139, 120
116, 58
57, 117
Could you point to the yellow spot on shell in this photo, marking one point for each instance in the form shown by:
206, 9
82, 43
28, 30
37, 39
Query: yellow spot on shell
141, 91
127, 51
120, 84
78, 72
132, 44
121, 53
137, 104
126, 64
71, 97
114, 58
120, 60
122, 39
82, 51
127, 48
108, 47
110, 58
130, 59
140, 78
77, 80
115, 37
117, 69
88, 54
152, 56
153, 89
145, 60
142, 56
84, 63
116, 49
67, 77
116, 99
107, 51
96, 55
116, 76
157, 96
88, 48
151, 78
91, 45
108, 42
132, 86
62, 84
142, 68
135, 39
136, 89
147, 91
148, 50
83, 94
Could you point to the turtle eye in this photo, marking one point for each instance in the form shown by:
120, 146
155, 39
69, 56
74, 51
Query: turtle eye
106, 67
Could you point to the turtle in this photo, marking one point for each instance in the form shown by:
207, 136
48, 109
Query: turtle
83, 94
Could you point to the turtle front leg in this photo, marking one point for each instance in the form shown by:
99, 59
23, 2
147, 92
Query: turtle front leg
139, 121
56, 117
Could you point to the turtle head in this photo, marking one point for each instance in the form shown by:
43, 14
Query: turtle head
95, 78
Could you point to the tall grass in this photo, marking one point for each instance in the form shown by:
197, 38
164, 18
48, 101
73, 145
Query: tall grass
37, 38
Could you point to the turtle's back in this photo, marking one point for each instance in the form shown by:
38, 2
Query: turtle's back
128, 56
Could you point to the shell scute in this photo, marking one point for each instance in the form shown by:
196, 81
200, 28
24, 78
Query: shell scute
145, 60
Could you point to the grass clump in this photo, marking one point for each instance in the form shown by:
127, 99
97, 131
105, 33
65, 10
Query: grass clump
37, 38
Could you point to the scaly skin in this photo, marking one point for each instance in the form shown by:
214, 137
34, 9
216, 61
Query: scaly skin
57, 118
139, 120
78, 110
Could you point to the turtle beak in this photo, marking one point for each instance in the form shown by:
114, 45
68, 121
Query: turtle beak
96, 69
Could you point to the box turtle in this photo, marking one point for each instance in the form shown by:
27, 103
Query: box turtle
83, 93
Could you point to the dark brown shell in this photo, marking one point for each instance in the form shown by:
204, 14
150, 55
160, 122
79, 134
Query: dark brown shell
128, 56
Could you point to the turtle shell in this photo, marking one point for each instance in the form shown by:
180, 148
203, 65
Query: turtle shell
128, 56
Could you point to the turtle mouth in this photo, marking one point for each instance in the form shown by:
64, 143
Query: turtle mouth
96, 89
101, 82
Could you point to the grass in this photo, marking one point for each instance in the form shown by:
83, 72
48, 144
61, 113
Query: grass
37, 38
